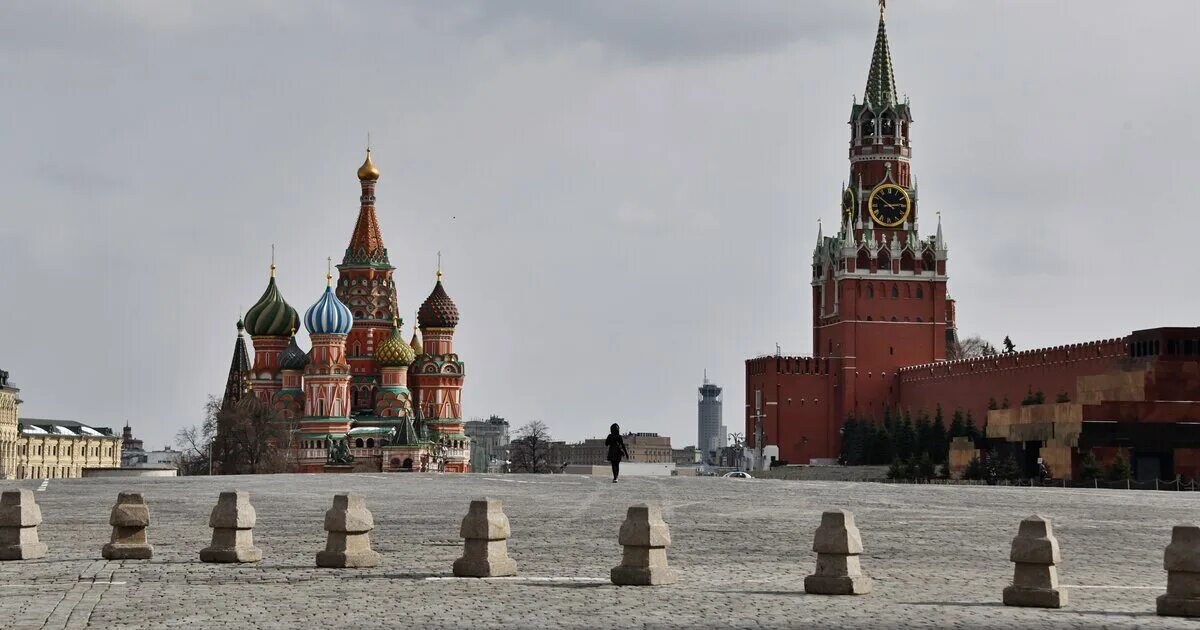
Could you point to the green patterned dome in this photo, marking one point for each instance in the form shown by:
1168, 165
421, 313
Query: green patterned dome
271, 316
395, 352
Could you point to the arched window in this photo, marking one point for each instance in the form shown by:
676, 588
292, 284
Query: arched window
893, 318
870, 291
864, 261
906, 261
358, 443
370, 442
867, 128
358, 314
888, 125
357, 348
920, 293
885, 262
869, 318
895, 294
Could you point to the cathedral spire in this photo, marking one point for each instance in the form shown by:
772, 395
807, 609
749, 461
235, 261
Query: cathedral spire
366, 243
235, 385
881, 81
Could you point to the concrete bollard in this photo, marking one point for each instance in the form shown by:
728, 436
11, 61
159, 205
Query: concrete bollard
485, 533
1182, 562
232, 522
19, 520
645, 537
838, 544
130, 518
1035, 578
349, 524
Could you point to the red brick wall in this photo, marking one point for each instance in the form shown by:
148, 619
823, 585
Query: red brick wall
798, 406
968, 384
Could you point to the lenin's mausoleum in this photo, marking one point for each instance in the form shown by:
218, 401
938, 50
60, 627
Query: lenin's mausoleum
883, 328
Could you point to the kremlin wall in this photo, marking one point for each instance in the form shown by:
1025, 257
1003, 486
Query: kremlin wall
884, 321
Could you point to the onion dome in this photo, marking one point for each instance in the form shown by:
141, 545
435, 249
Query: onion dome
293, 358
394, 352
328, 316
367, 171
415, 344
271, 316
438, 310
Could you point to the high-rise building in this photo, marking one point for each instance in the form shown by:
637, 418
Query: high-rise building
712, 436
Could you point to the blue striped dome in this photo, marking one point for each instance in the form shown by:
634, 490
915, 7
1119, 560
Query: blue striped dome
328, 316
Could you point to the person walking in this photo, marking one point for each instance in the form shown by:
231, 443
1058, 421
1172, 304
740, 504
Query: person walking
616, 449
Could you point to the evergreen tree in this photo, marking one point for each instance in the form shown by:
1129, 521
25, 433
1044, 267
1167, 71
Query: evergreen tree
992, 404
883, 449
957, 426
1008, 468
925, 468
895, 470
850, 438
1119, 470
1005, 405
1039, 397
1009, 347
906, 438
924, 435
1063, 397
972, 431
1089, 468
939, 443
1028, 399
974, 470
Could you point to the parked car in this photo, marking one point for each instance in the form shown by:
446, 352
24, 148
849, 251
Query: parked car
737, 474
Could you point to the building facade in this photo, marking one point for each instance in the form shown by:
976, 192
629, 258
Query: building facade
391, 404
883, 326
712, 434
489, 443
9, 402
643, 447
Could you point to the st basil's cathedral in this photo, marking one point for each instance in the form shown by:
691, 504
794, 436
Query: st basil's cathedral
363, 398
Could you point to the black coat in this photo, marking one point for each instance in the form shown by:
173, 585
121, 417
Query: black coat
616, 448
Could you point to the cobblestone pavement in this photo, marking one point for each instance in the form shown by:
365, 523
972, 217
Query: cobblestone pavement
939, 555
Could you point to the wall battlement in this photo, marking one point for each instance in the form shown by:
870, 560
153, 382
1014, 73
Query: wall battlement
813, 366
1040, 357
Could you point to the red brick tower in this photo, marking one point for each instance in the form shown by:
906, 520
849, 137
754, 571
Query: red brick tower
327, 374
365, 286
879, 289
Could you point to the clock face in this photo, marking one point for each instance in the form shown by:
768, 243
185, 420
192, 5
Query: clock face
847, 203
890, 205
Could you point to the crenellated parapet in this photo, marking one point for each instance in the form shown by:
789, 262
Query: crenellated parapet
1025, 359
815, 366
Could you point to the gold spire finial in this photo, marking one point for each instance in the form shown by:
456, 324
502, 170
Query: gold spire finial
367, 171
329, 271
272, 260
439, 267
882, 7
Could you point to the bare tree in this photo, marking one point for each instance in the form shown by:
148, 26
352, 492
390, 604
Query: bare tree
970, 348
195, 442
530, 451
253, 438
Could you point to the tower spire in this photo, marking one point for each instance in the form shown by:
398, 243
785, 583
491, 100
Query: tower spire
881, 80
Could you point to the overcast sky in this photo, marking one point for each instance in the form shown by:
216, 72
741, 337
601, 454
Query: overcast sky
625, 192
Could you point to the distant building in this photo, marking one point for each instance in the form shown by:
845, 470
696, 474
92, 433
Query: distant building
643, 447
132, 451
489, 442
686, 456
35, 448
712, 436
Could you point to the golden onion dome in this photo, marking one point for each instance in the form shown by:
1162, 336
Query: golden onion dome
368, 171
394, 352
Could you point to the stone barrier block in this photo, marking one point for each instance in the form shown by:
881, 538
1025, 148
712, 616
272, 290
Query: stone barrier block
485, 531
349, 514
1035, 578
19, 520
232, 521
348, 524
1181, 560
130, 517
233, 511
837, 534
838, 544
644, 527
19, 509
485, 520
645, 537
